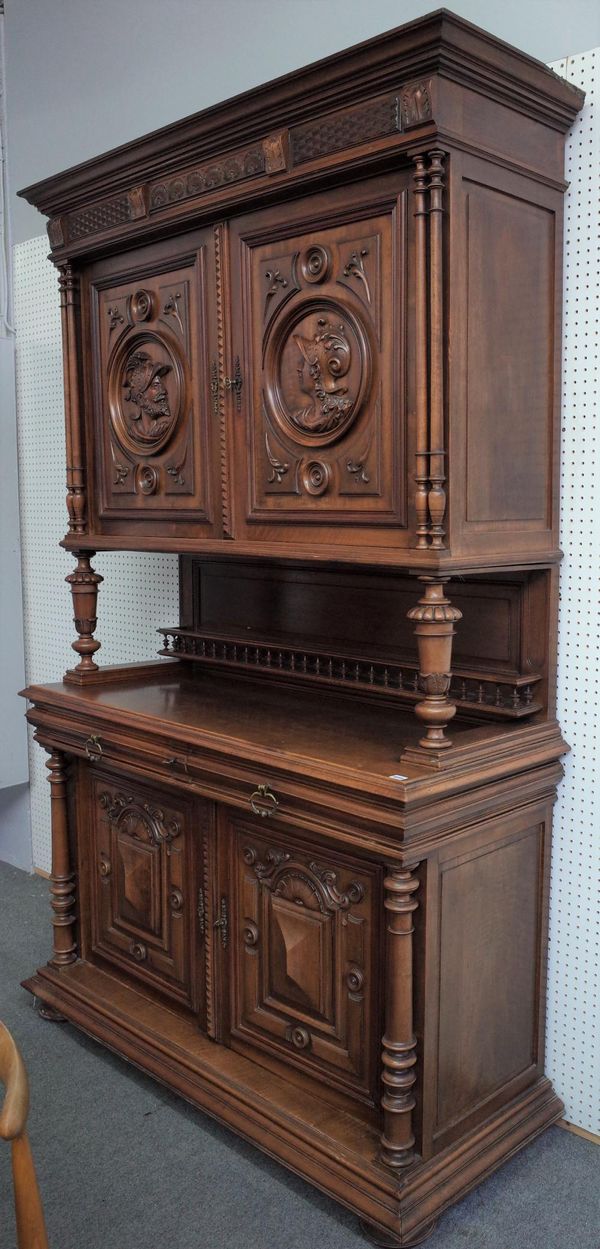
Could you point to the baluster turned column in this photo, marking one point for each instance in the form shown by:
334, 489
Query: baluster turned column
68, 283
62, 886
435, 617
437, 473
421, 353
84, 584
399, 1054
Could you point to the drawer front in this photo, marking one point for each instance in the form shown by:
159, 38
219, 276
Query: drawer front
146, 844
304, 940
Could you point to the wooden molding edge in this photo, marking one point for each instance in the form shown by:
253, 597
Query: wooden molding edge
572, 1127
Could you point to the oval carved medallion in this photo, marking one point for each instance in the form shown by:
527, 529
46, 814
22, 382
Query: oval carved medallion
317, 370
146, 392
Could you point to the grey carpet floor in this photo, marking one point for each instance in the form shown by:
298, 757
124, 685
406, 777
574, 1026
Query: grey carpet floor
123, 1164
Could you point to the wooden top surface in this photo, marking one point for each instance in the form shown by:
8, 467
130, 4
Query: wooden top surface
323, 736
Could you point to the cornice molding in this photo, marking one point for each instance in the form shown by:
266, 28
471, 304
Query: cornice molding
438, 44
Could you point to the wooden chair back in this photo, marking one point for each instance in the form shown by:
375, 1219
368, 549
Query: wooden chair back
31, 1226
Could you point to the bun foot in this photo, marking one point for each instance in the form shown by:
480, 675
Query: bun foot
387, 1240
48, 1012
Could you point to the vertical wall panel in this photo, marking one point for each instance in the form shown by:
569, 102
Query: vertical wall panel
573, 1060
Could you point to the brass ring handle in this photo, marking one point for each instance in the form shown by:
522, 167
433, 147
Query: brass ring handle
138, 951
93, 748
263, 801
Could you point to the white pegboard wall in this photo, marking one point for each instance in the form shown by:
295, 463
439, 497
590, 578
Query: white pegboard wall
572, 1058
139, 591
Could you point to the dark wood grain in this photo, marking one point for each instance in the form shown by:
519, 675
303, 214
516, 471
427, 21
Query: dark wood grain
311, 344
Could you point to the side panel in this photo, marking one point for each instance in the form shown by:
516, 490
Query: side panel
483, 936
505, 277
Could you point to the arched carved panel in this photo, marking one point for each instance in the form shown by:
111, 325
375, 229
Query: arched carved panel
142, 882
304, 948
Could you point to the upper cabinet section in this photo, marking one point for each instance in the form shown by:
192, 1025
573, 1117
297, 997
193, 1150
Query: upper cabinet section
323, 318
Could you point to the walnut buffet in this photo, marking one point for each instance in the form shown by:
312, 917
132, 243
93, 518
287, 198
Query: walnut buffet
312, 344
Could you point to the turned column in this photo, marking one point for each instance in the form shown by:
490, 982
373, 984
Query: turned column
437, 495
62, 887
84, 584
399, 1054
68, 284
435, 618
421, 354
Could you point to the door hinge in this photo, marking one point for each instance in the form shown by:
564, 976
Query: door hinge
223, 923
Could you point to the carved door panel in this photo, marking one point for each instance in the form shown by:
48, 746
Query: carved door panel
147, 845
303, 942
152, 388
320, 339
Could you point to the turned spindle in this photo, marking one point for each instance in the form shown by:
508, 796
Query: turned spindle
434, 618
84, 584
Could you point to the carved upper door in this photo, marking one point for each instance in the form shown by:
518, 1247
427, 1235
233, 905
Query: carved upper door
304, 972
319, 334
147, 846
153, 437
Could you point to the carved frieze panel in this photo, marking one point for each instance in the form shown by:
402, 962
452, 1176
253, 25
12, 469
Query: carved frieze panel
304, 950
324, 404
150, 352
345, 128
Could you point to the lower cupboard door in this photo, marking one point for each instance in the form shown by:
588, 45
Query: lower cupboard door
303, 955
147, 845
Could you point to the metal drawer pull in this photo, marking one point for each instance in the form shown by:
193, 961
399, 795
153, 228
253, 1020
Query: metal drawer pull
263, 801
138, 951
93, 749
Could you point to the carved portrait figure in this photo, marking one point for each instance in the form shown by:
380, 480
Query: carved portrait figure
145, 390
324, 360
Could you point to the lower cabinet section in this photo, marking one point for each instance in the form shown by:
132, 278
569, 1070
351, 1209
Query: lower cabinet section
366, 1012
272, 940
